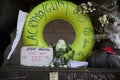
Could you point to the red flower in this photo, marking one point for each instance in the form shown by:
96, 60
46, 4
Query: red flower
109, 49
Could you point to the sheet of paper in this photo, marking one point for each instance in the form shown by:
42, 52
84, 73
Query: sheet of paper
20, 24
37, 57
77, 64
53, 75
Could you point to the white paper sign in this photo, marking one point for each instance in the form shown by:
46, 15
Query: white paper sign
36, 56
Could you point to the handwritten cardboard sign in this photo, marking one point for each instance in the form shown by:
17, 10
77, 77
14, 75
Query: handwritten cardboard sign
36, 56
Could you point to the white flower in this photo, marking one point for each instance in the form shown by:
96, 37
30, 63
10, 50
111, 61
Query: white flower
104, 20
61, 45
89, 3
84, 6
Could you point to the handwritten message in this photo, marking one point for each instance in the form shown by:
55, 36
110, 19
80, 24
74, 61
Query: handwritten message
36, 56
39, 16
